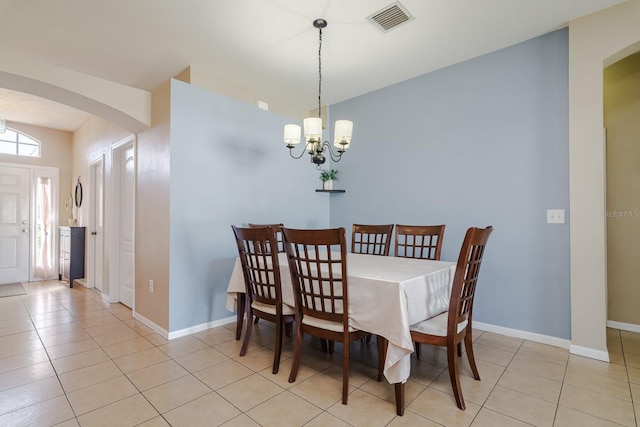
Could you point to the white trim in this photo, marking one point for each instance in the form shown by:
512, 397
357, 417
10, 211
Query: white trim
150, 324
83, 282
201, 327
108, 299
589, 352
183, 332
90, 240
546, 339
623, 326
516, 333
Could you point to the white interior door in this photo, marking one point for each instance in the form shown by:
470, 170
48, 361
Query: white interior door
14, 224
126, 222
97, 224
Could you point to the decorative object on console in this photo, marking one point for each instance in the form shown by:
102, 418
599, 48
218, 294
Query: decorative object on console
69, 207
343, 129
78, 193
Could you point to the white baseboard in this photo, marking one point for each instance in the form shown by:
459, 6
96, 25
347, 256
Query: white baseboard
161, 331
623, 326
589, 352
202, 327
83, 283
183, 332
516, 333
107, 298
545, 339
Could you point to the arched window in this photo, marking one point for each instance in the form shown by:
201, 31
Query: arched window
18, 144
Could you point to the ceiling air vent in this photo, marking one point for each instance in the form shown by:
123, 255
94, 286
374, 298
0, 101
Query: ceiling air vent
390, 17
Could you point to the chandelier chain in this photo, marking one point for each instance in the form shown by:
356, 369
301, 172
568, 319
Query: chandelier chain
320, 73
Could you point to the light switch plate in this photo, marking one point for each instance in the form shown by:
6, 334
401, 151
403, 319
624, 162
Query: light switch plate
555, 216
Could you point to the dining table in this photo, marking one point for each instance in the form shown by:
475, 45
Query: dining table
386, 295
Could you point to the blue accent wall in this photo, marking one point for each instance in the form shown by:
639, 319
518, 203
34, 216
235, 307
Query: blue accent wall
229, 165
483, 142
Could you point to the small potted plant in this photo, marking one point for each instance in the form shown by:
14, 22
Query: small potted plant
69, 207
327, 177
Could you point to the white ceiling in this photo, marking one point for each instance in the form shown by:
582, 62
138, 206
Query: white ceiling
269, 46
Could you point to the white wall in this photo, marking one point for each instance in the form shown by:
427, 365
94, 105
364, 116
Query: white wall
595, 41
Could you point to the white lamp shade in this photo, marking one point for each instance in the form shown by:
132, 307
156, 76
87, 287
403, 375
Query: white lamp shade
313, 128
343, 133
292, 134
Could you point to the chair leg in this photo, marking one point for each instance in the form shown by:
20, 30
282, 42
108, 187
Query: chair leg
240, 315
331, 347
382, 344
345, 371
468, 345
247, 334
399, 398
255, 321
454, 375
278, 352
297, 352
459, 349
288, 329
417, 346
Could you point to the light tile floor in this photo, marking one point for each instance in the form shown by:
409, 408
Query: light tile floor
68, 359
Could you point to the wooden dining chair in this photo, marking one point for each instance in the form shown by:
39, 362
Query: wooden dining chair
371, 239
318, 267
262, 283
419, 241
453, 327
276, 228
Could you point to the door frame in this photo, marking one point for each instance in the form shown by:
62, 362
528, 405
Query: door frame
114, 211
91, 265
52, 173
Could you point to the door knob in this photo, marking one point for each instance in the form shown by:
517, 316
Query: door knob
94, 233
24, 230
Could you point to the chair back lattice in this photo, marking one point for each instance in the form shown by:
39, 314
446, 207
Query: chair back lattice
260, 264
419, 241
371, 239
318, 266
466, 276
276, 228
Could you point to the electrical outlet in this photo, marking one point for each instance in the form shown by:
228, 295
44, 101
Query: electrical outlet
151, 286
555, 216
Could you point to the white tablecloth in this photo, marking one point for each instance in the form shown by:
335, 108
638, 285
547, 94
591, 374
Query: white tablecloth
386, 295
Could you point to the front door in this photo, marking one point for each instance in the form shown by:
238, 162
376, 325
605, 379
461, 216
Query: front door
14, 224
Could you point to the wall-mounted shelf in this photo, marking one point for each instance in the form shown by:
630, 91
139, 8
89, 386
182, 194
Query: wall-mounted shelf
330, 191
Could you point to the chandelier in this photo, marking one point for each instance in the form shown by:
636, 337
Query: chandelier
314, 146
